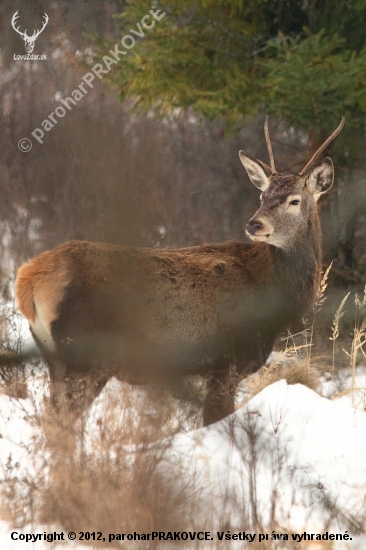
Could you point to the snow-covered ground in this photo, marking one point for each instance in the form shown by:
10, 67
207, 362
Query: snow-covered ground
303, 453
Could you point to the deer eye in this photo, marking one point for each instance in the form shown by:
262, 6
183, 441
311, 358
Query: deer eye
295, 202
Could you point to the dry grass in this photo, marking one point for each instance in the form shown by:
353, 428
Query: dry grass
353, 349
12, 380
359, 337
297, 365
87, 478
292, 369
120, 494
336, 327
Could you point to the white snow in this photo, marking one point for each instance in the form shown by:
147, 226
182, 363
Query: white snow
309, 449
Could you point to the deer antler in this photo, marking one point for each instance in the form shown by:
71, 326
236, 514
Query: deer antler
13, 20
37, 33
24, 34
322, 147
269, 145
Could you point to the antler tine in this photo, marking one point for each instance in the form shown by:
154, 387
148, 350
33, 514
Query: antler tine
13, 22
15, 16
322, 147
46, 18
269, 145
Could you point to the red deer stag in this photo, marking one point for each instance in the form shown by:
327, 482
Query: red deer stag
149, 315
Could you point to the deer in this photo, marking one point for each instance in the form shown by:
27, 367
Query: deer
150, 315
29, 40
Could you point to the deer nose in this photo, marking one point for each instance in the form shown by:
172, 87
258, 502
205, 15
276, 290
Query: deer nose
253, 226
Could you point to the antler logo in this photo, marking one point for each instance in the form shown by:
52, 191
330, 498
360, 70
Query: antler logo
29, 40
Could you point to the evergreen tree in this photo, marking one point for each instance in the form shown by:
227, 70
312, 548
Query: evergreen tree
301, 60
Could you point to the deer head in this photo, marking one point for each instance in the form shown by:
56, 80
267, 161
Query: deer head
29, 40
287, 201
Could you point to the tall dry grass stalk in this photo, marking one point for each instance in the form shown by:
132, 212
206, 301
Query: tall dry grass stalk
319, 302
358, 341
320, 299
335, 329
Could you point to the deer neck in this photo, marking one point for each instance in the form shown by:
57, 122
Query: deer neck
299, 266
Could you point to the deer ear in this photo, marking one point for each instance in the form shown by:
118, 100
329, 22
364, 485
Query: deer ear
258, 171
320, 179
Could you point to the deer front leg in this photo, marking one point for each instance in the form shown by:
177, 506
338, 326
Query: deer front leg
221, 389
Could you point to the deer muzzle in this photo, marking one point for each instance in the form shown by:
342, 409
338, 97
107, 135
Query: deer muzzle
258, 230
